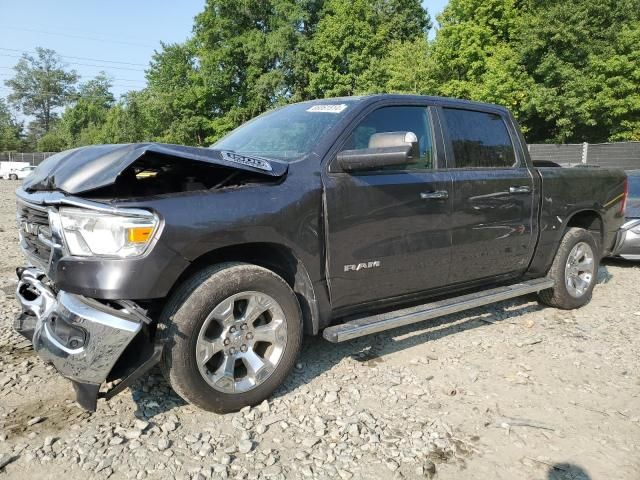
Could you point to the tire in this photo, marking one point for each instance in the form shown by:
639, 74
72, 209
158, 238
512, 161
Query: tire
204, 310
567, 294
13, 177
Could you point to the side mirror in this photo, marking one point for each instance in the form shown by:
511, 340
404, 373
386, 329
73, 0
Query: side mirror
387, 149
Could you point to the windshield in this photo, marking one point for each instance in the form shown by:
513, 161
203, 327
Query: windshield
287, 133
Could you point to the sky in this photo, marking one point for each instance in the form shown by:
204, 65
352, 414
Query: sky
115, 36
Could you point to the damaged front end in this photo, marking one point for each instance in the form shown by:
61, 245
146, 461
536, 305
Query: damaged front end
97, 263
81, 337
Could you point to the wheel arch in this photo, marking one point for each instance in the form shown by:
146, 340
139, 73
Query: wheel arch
275, 257
545, 251
590, 220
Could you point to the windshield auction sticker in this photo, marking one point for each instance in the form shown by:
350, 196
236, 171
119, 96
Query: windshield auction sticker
331, 108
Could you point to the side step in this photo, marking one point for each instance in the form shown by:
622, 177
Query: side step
398, 318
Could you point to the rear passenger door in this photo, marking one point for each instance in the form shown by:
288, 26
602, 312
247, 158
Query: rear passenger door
493, 196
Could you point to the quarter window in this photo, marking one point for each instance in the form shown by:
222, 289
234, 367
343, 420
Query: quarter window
480, 139
396, 119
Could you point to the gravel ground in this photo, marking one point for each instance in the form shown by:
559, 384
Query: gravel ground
512, 391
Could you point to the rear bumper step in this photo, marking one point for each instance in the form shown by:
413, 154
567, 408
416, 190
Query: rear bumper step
398, 318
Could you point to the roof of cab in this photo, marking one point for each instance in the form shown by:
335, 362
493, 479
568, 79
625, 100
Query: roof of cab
444, 101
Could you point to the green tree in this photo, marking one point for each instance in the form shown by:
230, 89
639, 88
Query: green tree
571, 50
41, 85
53, 141
10, 129
473, 40
616, 86
352, 40
88, 112
177, 99
127, 121
251, 56
407, 68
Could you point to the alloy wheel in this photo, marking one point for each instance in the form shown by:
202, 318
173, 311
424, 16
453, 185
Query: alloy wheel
241, 342
580, 269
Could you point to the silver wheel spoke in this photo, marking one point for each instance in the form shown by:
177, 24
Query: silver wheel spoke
208, 348
582, 284
258, 368
585, 265
223, 377
579, 252
266, 333
253, 362
224, 312
256, 306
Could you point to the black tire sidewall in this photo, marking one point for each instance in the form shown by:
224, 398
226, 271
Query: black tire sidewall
182, 322
561, 295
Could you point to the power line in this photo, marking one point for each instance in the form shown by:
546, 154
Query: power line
83, 64
83, 37
110, 78
121, 85
77, 58
84, 98
70, 29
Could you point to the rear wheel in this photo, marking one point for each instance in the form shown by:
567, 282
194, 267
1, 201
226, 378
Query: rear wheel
13, 176
232, 334
574, 269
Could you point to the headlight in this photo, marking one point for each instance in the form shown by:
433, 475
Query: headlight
91, 233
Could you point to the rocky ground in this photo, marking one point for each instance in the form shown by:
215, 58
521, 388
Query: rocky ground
513, 391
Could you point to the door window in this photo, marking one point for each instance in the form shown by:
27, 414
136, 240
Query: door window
480, 139
396, 119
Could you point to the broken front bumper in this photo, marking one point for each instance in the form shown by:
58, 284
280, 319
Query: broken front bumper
81, 337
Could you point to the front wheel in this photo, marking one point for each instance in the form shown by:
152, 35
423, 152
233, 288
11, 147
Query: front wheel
574, 269
13, 176
232, 334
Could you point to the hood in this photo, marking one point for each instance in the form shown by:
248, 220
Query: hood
87, 168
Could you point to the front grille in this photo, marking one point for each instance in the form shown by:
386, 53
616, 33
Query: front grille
33, 224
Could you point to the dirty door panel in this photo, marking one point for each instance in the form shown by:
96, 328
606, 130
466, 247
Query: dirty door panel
492, 227
493, 198
383, 219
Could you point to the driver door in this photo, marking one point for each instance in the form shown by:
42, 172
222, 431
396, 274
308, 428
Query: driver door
389, 229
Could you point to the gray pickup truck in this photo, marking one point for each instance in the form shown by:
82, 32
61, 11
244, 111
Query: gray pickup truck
345, 216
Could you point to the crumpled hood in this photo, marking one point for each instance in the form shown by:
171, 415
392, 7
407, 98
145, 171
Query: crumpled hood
87, 168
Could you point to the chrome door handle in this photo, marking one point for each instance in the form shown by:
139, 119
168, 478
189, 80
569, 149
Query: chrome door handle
437, 195
520, 189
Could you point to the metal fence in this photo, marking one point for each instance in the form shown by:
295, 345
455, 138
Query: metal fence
625, 155
33, 158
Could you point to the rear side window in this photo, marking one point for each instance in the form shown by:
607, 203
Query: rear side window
480, 139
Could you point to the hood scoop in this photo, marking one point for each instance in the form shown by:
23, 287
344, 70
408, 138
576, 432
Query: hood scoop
89, 168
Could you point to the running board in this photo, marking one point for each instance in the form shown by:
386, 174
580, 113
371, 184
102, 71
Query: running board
398, 318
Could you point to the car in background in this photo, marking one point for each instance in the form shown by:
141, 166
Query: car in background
628, 244
21, 173
9, 167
